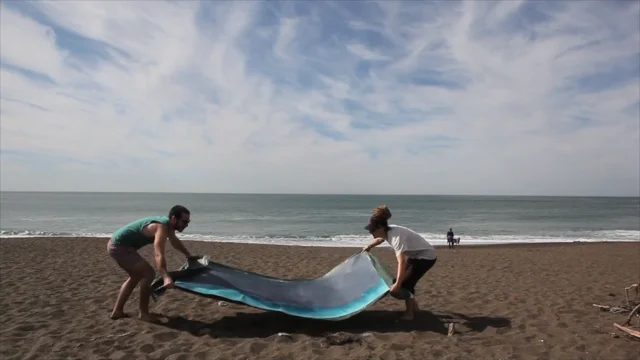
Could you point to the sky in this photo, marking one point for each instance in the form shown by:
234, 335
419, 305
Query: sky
460, 97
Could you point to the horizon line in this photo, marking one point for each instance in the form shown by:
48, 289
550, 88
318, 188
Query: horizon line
312, 194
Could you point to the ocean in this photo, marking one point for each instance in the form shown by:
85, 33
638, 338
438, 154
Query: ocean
327, 220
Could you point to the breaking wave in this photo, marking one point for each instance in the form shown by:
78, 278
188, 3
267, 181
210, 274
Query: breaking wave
361, 240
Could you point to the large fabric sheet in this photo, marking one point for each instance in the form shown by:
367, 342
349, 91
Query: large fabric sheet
358, 282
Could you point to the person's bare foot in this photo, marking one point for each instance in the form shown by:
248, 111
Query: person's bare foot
150, 318
118, 315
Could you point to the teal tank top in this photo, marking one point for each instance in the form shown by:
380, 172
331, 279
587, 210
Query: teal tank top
132, 235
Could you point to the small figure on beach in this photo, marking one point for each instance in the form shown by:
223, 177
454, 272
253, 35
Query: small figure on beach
414, 253
123, 247
450, 240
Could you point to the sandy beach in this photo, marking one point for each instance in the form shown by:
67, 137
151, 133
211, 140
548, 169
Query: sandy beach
507, 302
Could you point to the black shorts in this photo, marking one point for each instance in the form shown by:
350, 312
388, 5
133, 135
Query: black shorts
418, 268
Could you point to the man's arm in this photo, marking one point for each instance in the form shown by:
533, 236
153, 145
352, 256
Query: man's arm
158, 245
178, 245
374, 243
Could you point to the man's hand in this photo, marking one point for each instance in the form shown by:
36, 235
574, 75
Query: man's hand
367, 248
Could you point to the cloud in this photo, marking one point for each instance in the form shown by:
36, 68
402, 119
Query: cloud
517, 97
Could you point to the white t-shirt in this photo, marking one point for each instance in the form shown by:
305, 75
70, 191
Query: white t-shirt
410, 243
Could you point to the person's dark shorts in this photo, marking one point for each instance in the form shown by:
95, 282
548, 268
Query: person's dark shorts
418, 267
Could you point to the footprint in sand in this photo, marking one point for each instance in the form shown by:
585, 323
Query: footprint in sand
8, 353
147, 348
387, 355
398, 347
55, 314
165, 336
118, 355
437, 353
178, 357
28, 328
256, 348
202, 355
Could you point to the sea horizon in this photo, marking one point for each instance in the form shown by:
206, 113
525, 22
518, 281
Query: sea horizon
327, 219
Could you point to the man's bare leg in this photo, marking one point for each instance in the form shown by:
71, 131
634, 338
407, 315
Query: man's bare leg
145, 294
125, 292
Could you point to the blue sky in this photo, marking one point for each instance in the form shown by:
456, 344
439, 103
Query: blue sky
514, 97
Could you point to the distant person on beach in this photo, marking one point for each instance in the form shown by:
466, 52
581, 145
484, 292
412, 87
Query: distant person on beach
450, 240
415, 254
123, 248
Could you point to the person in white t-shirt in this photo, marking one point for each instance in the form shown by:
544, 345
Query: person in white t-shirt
415, 254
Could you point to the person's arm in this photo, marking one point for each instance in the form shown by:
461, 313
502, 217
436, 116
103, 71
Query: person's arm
159, 245
402, 268
178, 245
374, 243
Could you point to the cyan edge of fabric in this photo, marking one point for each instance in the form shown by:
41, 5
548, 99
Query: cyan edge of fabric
384, 274
372, 295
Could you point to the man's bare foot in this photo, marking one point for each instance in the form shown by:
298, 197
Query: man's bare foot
118, 315
150, 318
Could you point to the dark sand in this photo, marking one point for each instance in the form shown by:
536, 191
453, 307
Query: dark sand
508, 302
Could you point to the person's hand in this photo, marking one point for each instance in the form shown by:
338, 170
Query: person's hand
168, 282
366, 248
395, 288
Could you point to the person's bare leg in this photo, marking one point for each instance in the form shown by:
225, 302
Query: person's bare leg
125, 292
408, 314
411, 309
145, 294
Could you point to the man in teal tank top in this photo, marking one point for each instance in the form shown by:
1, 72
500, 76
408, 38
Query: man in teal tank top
123, 248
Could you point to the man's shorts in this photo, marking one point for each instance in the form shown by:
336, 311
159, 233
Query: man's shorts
126, 256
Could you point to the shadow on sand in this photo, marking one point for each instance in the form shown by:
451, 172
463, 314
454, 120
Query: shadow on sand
265, 324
